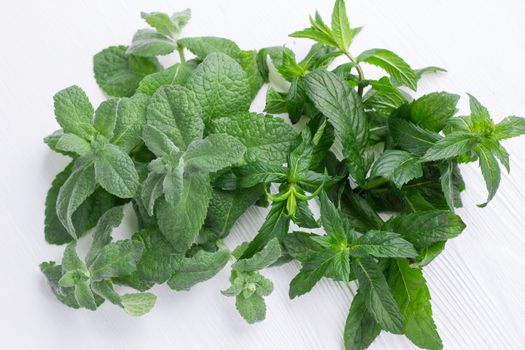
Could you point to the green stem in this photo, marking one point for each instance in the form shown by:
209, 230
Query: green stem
379, 181
180, 50
360, 73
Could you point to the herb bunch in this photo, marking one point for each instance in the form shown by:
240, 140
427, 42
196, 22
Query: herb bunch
181, 146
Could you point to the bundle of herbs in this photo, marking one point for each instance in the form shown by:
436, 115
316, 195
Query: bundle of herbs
181, 146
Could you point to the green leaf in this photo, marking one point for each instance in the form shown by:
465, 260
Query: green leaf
70, 260
158, 142
275, 225
411, 137
426, 227
181, 224
165, 24
227, 206
312, 271
119, 74
178, 74
200, 267
267, 138
250, 65
52, 140
71, 143
331, 218
129, 115
84, 295
220, 86
490, 171
149, 43
340, 26
451, 183
296, 99
432, 111
138, 304
426, 70
75, 190
452, 145
181, 121
360, 328
53, 274
252, 308
275, 102
384, 98
336, 99
382, 244
215, 152
265, 257
203, 46
158, 260
510, 127
116, 259
397, 166
378, 296
427, 255
115, 172
413, 297
102, 233
84, 218
152, 189
74, 112
172, 186
394, 65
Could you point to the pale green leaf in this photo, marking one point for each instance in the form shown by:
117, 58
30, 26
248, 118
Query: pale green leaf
115, 172
74, 112
116, 259
392, 64
215, 152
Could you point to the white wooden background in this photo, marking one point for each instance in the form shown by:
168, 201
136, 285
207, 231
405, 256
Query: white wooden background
477, 285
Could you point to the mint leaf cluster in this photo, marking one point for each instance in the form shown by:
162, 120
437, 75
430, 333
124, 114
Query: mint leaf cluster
181, 146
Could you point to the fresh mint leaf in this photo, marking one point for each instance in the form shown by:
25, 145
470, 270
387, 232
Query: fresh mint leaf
181, 224
510, 127
116, 259
177, 74
165, 24
74, 112
172, 185
53, 274
410, 137
200, 267
397, 166
490, 171
265, 257
180, 121
115, 172
158, 142
276, 102
378, 297
360, 328
203, 46
452, 145
118, 73
425, 228
311, 272
392, 64
213, 153
413, 297
432, 111
267, 138
152, 189
220, 86
384, 97
342, 33
451, 184
138, 304
84, 295
71, 143
252, 308
102, 234
149, 43
333, 97
75, 190
275, 225
158, 261
227, 206
382, 244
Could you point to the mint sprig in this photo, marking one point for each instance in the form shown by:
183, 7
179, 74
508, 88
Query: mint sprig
183, 148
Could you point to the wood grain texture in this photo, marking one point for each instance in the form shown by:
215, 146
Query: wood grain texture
477, 285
